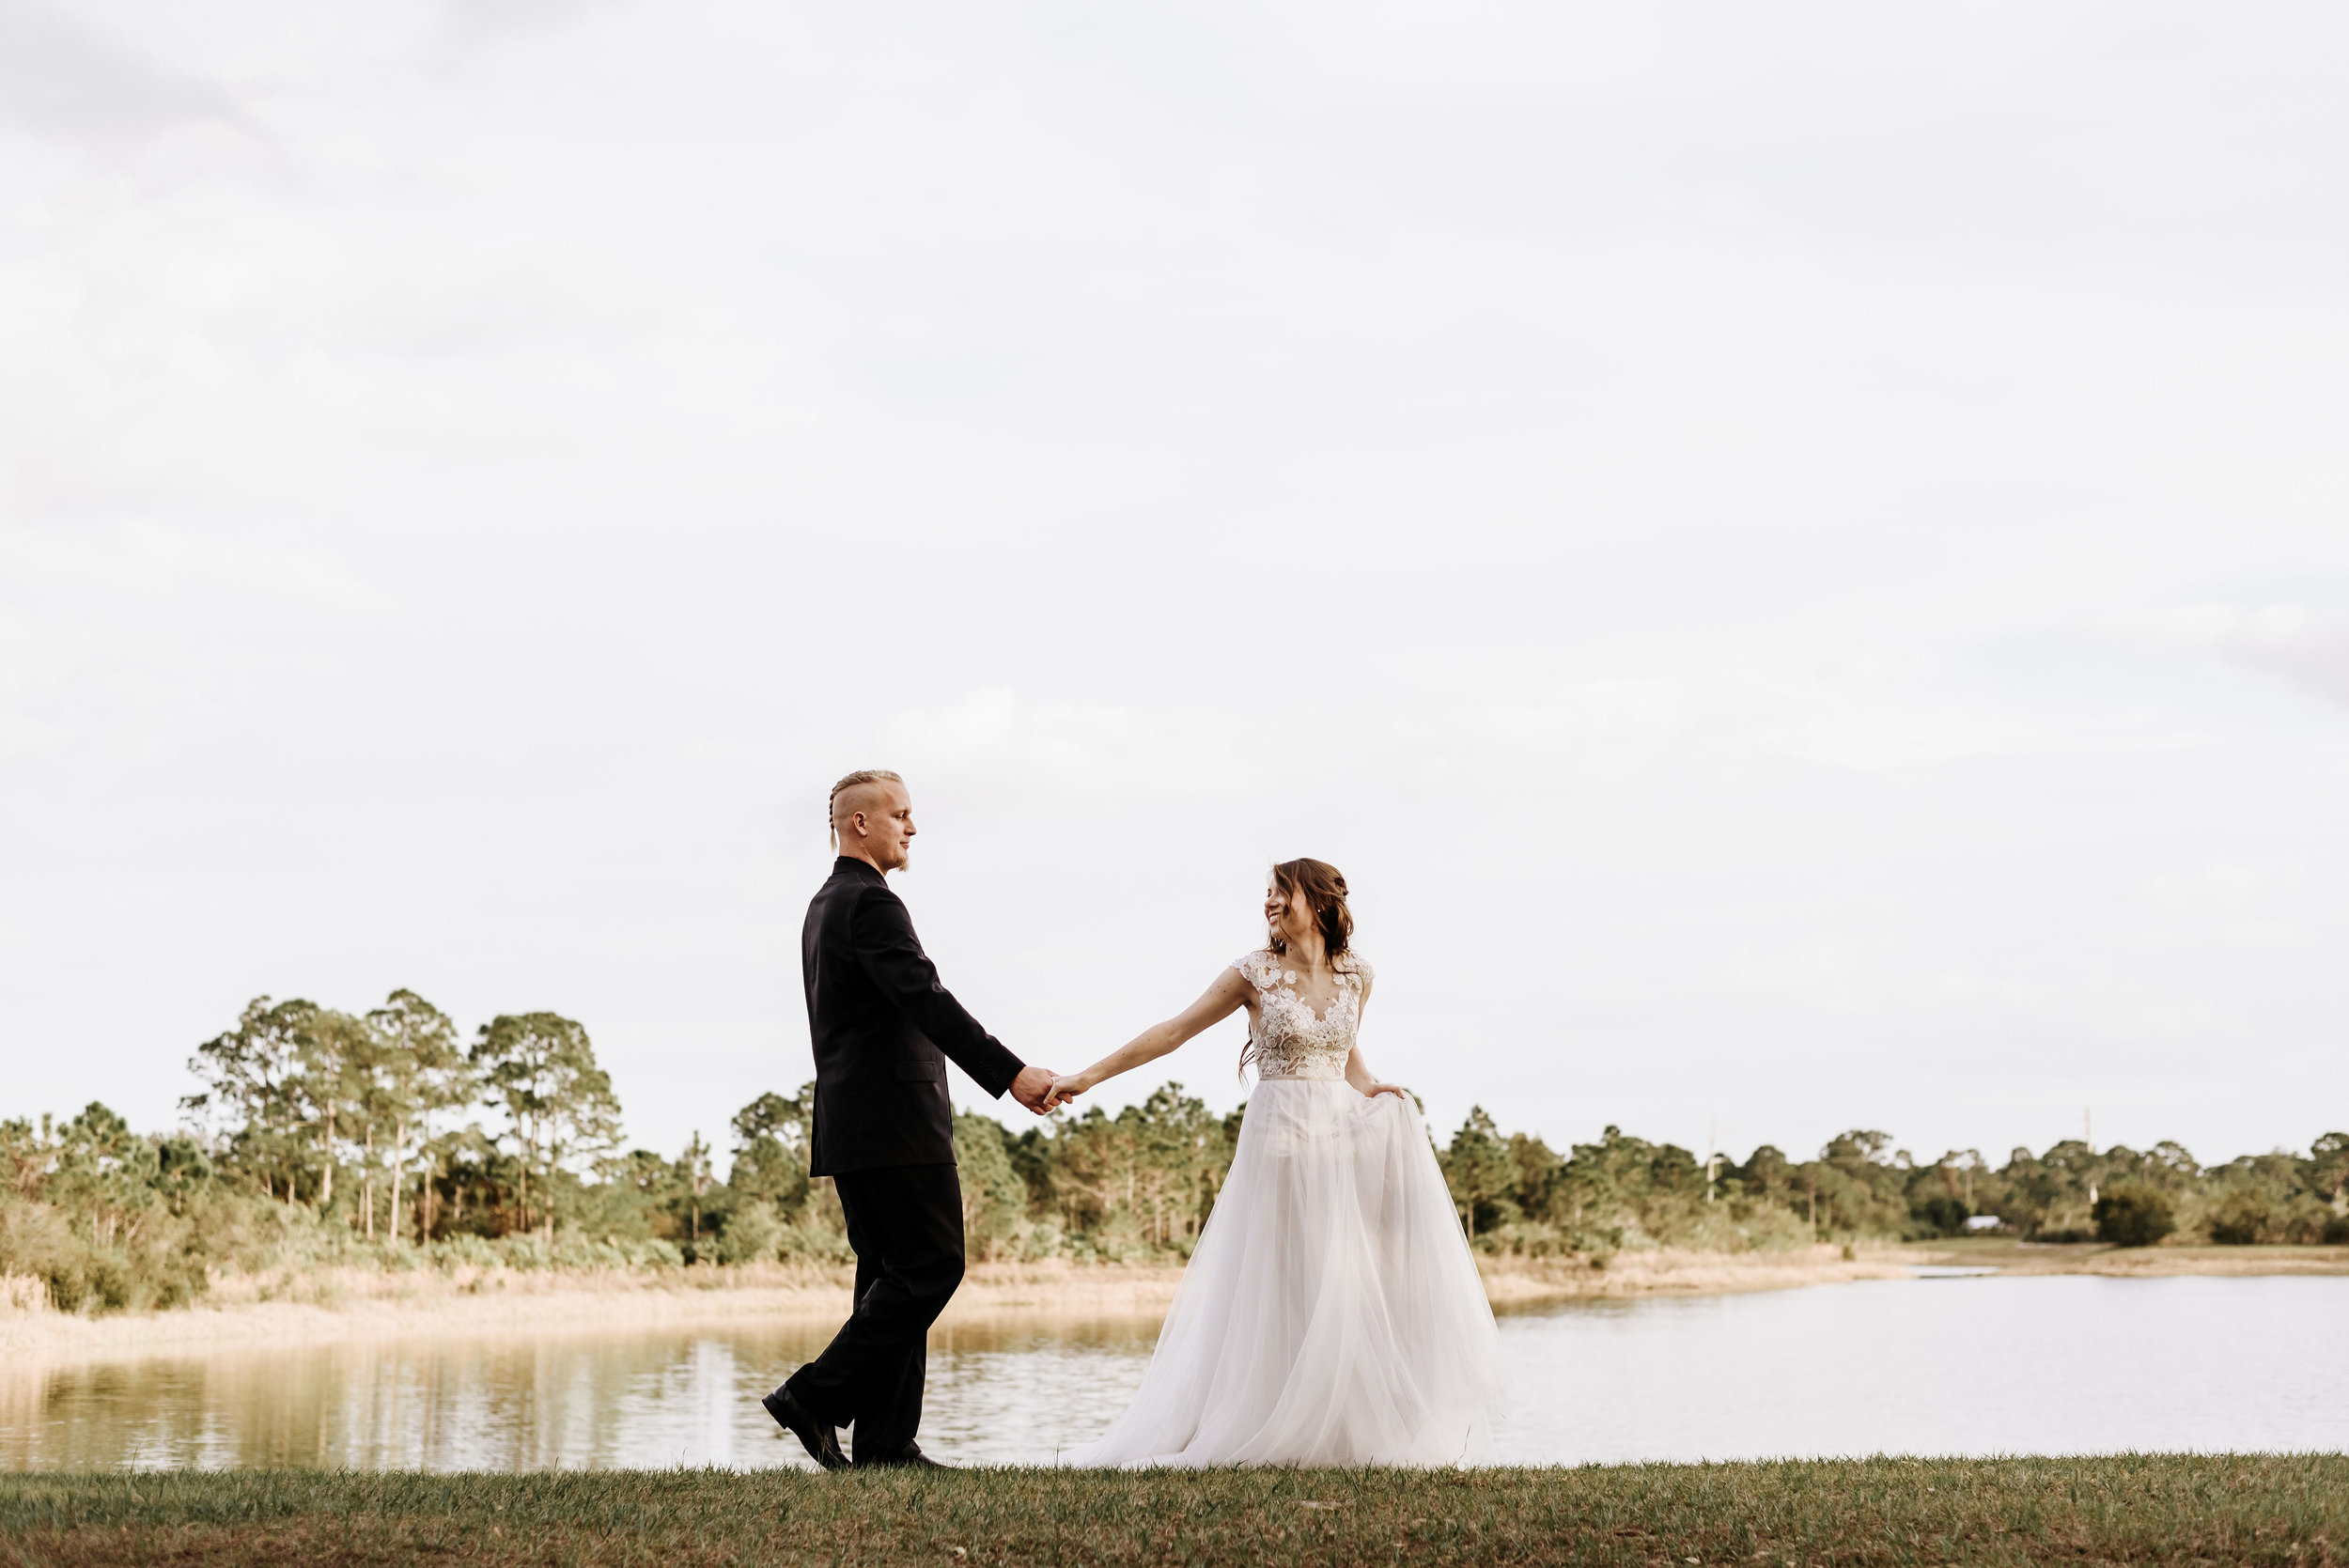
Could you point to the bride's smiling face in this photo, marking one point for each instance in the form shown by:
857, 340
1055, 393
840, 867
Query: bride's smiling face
1291, 919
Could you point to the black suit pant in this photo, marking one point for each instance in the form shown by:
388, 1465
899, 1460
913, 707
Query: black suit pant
904, 1222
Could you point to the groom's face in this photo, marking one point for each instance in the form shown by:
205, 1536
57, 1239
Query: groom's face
885, 824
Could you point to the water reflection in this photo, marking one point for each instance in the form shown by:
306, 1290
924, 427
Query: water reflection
561, 1401
1940, 1366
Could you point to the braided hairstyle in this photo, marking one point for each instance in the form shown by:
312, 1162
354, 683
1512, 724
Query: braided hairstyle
862, 776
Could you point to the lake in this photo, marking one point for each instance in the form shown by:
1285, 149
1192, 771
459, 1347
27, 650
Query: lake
2064, 1364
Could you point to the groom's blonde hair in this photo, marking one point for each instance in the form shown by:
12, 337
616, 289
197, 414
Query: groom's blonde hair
852, 785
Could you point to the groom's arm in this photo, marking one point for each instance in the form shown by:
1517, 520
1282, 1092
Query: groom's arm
892, 956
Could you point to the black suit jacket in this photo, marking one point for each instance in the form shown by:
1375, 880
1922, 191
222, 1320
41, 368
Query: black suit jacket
883, 1028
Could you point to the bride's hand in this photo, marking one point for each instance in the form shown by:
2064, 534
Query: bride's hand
1065, 1088
1395, 1089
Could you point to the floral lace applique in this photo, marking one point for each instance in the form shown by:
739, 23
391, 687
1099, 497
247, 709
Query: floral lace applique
1290, 1041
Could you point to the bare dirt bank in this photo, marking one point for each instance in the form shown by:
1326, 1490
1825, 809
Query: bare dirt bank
355, 1304
1524, 1281
2133, 1262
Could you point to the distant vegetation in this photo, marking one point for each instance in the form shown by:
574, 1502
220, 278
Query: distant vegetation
385, 1139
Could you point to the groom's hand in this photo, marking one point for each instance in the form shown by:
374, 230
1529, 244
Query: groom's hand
1033, 1088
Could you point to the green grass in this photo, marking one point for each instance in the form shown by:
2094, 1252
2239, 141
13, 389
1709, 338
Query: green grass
2169, 1508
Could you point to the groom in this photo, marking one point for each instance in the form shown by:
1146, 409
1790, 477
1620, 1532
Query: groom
883, 1028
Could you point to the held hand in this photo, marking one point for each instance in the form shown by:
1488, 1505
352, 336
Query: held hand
1063, 1089
1034, 1087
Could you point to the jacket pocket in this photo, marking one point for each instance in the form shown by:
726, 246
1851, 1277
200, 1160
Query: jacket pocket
919, 1072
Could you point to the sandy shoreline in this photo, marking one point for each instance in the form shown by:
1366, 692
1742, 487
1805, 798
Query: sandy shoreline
2133, 1262
353, 1305
1528, 1281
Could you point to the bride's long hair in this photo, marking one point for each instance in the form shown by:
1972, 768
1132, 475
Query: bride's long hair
1322, 886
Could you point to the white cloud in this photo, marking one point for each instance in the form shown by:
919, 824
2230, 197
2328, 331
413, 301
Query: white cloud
468, 474
61, 78
995, 739
2306, 644
156, 558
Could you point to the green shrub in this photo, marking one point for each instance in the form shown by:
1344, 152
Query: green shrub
814, 1243
754, 1234
1940, 1214
158, 1266
463, 1250
2135, 1217
2241, 1218
994, 1198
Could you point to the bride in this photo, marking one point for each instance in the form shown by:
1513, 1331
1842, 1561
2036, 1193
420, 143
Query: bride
1331, 1313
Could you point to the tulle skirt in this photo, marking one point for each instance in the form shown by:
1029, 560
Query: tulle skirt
1331, 1313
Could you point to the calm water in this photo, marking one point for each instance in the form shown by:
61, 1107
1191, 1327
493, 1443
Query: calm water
2050, 1365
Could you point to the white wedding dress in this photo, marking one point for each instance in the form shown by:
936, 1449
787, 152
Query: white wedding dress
1331, 1313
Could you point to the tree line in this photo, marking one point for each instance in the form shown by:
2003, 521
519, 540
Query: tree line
1515, 1193
389, 1139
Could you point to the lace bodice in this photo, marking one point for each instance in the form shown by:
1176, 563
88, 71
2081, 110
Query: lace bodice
1289, 1041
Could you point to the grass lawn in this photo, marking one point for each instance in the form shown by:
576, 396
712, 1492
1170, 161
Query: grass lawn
2131, 1508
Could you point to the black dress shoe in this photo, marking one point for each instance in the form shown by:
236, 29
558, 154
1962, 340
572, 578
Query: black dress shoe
813, 1433
907, 1458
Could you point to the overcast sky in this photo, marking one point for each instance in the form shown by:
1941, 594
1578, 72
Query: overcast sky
1797, 557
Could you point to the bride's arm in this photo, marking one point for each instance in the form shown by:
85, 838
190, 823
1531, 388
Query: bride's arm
1357, 1071
1220, 1001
